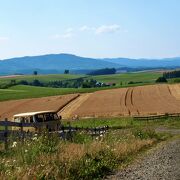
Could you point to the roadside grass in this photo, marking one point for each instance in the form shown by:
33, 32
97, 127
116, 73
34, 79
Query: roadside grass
169, 122
48, 157
98, 122
1, 128
124, 122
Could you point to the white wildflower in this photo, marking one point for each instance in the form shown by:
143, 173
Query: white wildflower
34, 138
14, 144
26, 151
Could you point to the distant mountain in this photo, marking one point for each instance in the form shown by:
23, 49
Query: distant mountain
52, 63
146, 63
57, 63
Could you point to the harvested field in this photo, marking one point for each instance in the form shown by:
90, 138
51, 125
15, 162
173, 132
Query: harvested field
142, 100
67, 111
9, 108
133, 101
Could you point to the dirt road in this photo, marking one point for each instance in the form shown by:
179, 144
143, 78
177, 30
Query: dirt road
162, 162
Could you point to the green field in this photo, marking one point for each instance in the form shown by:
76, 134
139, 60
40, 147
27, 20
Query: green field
140, 77
42, 78
22, 91
144, 77
124, 122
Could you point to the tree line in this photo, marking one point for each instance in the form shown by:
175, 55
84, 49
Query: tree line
103, 71
75, 83
171, 74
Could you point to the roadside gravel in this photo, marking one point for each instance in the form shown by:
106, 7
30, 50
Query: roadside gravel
162, 163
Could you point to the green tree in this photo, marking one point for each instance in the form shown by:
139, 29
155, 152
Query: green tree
66, 71
161, 80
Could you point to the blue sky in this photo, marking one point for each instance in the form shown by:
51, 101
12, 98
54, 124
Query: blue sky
91, 28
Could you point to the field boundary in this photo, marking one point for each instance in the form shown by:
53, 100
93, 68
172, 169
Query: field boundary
68, 102
154, 117
64, 132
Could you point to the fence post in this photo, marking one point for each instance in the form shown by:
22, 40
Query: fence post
70, 131
21, 132
6, 135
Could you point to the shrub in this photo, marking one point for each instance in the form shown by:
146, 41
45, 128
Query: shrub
146, 133
161, 80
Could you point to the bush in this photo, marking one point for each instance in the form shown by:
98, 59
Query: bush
93, 166
161, 80
145, 133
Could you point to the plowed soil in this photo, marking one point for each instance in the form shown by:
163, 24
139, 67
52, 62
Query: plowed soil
67, 111
142, 100
9, 108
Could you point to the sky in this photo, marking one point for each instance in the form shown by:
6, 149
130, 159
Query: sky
90, 28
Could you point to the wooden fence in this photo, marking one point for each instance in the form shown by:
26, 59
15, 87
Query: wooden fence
156, 117
65, 132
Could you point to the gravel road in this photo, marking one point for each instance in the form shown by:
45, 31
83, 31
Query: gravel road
162, 163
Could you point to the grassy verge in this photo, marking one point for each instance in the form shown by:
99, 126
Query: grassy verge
125, 122
48, 157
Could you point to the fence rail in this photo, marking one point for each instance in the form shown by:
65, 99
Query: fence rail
66, 132
154, 117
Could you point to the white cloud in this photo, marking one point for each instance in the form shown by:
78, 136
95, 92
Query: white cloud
62, 36
70, 32
107, 29
86, 28
66, 35
101, 29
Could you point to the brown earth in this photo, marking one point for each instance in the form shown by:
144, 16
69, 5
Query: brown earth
141, 100
67, 111
9, 108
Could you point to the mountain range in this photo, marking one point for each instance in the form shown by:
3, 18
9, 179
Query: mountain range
57, 63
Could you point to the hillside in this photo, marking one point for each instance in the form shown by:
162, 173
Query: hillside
146, 63
54, 63
57, 63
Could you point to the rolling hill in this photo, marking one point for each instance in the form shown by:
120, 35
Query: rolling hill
53, 63
57, 63
146, 63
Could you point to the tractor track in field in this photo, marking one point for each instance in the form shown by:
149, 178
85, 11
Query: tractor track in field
132, 101
67, 112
